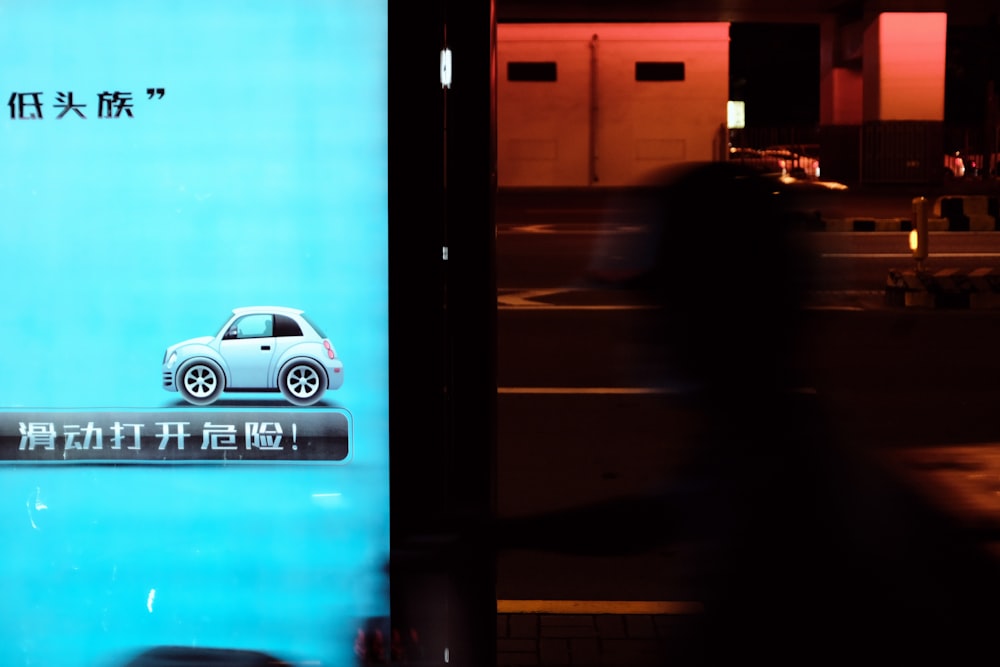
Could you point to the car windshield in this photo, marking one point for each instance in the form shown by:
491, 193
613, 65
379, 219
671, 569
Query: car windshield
225, 325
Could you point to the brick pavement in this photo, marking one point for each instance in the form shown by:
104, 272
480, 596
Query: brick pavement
624, 640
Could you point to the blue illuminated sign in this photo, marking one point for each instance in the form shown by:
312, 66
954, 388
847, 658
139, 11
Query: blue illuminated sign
175, 436
180, 467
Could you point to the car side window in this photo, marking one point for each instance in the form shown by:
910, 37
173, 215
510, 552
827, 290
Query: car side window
251, 326
286, 326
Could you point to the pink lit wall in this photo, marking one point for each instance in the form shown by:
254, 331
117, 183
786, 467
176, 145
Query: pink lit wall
847, 86
596, 124
904, 66
841, 86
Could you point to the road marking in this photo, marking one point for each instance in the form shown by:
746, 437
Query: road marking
580, 228
598, 607
541, 228
650, 391
547, 228
623, 391
526, 298
545, 306
893, 255
847, 309
550, 211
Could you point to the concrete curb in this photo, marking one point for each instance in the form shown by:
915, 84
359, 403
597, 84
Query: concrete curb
861, 224
944, 288
949, 213
869, 225
626, 640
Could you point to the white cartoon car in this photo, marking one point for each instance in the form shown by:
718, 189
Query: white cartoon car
260, 348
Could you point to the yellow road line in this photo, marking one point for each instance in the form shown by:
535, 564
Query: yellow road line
598, 607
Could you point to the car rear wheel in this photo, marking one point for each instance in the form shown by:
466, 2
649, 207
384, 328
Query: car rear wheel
302, 381
200, 381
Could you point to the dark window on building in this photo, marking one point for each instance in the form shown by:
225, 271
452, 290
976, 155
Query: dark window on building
521, 71
659, 71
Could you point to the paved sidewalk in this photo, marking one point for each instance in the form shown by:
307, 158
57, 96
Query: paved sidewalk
960, 479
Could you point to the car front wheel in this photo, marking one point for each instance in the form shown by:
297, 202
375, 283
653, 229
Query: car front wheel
200, 381
302, 381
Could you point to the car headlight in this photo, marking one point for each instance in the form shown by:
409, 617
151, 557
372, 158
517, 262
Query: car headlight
171, 359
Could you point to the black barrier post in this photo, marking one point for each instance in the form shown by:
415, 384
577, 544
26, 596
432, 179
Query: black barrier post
442, 328
918, 234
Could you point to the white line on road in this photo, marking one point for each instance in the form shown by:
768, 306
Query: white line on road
545, 306
624, 391
541, 228
847, 309
568, 229
525, 298
560, 211
893, 255
652, 391
598, 607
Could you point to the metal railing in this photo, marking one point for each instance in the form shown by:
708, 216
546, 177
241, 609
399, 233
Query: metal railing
883, 152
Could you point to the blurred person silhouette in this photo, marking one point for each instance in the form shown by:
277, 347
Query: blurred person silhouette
807, 551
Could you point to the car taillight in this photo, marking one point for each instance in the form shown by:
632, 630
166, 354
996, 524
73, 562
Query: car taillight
329, 349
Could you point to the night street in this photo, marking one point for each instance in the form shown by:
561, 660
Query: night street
594, 425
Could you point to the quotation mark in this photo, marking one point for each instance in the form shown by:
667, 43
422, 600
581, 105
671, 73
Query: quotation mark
159, 92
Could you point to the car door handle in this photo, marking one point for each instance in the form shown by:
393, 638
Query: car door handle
265, 347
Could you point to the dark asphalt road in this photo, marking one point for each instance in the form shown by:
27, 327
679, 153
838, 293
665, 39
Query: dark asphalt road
912, 393
869, 200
